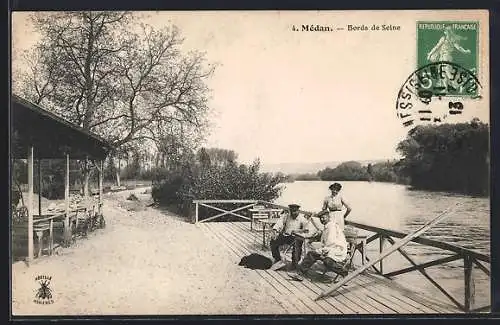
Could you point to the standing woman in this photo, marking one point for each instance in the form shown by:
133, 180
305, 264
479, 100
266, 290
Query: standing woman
333, 205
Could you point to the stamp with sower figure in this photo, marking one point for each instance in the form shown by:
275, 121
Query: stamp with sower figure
446, 76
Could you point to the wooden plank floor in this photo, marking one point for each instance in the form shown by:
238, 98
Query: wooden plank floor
368, 293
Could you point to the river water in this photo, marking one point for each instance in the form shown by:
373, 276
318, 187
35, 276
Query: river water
396, 207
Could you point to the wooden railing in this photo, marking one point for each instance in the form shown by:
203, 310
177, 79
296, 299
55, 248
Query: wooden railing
469, 257
210, 204
381, 235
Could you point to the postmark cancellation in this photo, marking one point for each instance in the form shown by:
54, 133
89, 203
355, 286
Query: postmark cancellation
446, 77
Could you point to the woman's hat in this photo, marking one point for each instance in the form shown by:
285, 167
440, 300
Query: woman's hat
294, 206
335, 186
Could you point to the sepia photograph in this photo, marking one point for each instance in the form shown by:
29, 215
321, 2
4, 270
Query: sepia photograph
250, 163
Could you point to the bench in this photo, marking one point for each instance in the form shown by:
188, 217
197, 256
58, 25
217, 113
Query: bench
258, 213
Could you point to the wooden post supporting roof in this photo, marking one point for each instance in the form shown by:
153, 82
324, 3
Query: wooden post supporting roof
67, 228
101, 176
51, 135
30, 205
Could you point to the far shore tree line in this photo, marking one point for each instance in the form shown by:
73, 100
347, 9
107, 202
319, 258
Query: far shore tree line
447, 157
355, 171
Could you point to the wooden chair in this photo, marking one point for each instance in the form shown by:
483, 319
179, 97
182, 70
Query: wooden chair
19, 230
20, 214
73, 217
256, 217
355, 242
82, 221
92, 222
267, 227
40, 228
100, 217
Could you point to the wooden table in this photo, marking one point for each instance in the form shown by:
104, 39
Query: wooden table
356, 243
72, 218
43, 223
264, 213
266, 210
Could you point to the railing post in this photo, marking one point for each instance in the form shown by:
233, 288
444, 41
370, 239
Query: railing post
381, 249
196, 213
363, 251
469, 283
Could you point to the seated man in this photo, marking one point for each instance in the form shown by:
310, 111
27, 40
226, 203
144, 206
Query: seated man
331, 249
282, 234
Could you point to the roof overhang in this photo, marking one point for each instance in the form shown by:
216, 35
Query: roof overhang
51, 136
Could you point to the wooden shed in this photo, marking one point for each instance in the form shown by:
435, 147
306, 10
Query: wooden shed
39, 134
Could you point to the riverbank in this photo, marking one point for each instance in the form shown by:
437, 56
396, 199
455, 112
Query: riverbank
144, 262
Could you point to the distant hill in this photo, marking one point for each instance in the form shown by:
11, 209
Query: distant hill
303, 168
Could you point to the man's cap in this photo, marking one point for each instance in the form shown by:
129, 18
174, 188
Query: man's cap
294, 206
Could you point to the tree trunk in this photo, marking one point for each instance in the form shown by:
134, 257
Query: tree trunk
118, 173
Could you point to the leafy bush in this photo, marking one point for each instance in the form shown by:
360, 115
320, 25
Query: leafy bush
166, 191
146, 175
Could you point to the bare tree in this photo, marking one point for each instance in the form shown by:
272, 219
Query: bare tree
122, 80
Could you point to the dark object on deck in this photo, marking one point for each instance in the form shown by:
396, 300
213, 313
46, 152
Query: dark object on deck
132, 197
256, 262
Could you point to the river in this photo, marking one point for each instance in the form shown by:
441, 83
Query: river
396, 207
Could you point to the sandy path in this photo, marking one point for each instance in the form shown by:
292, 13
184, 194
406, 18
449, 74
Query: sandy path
143, 262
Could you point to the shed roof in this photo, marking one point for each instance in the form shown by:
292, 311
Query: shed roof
50, 135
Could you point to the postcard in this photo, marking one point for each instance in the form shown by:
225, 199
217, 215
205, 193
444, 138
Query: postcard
250, 163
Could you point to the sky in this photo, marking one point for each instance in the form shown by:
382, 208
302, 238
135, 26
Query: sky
303, 97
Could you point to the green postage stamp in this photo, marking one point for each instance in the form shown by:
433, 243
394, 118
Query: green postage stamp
455, 42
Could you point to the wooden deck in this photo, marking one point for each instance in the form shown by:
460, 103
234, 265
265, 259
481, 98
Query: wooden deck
368, 293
